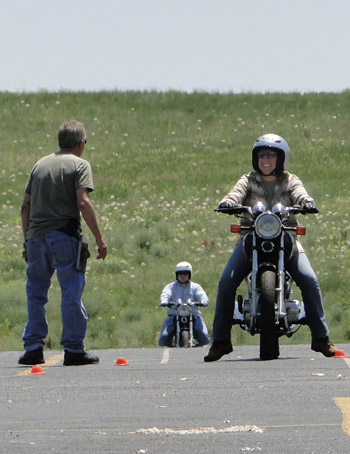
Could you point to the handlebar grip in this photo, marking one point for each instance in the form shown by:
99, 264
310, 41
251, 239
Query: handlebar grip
298, 209
311, 210
232, 210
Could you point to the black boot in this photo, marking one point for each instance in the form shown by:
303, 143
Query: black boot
32, 357
324, 346
217, 350
79, 359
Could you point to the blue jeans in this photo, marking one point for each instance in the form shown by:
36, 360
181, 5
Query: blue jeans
55, 251
200, 332
238, 267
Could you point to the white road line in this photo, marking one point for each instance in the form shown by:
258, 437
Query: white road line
347, 361
198, 430
165, 356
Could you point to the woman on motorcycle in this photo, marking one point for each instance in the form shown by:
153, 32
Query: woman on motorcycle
183, 290
269, 183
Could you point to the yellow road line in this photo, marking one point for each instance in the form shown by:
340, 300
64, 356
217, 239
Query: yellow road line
52, 361
343, 403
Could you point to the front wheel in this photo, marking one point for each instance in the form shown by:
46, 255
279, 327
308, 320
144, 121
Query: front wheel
184, 339
269, 347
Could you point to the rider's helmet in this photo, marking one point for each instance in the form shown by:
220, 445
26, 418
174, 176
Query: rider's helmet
183, 266
274, 142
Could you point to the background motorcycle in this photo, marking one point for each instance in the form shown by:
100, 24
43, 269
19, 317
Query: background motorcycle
269, 309
184, 321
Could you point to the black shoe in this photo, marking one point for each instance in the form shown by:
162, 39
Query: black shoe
79, 359
217, 350
32, 357
324, 346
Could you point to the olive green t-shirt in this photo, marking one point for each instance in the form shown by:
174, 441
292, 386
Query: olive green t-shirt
269, 187
52, 186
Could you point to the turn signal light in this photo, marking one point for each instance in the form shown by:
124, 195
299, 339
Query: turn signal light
235, 228
301, 230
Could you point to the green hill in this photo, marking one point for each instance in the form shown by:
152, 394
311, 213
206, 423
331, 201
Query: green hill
161, 163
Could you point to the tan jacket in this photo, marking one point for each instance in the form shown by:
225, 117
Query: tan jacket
289, 191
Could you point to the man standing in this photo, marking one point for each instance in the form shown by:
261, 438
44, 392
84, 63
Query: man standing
56, 193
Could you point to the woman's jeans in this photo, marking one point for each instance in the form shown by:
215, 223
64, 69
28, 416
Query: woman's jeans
55, 251
238, 267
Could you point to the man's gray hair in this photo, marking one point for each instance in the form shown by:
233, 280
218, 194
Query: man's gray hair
70, 134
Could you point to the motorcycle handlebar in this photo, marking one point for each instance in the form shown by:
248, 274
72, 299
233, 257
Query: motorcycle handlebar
296, 209
233, 210
190, 304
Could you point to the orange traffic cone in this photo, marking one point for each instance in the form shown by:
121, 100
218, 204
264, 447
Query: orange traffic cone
37, 370
121, 362
340, 354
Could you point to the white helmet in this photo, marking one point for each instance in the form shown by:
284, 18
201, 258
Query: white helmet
276, 143
184, 266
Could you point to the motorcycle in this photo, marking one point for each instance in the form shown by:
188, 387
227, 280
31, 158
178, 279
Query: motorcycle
270, 309
184, 322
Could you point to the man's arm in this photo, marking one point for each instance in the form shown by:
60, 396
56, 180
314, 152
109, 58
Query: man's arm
201, 296
88, 212
166, 295
25, 214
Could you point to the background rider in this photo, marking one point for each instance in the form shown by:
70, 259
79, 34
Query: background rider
183, 289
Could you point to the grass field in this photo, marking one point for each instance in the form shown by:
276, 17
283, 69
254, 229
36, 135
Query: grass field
161, 162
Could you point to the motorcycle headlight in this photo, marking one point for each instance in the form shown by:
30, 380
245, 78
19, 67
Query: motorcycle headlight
268, 225
258, 208
184, 310
279, 209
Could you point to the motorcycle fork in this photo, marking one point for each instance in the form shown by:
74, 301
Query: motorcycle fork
281, 308
177, 332
254, 287
281, 311
191, 330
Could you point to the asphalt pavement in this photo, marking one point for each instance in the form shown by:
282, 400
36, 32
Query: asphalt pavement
170, 401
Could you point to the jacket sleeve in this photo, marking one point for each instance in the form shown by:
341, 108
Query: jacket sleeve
298, 193
166, 295
239, 191
201, 296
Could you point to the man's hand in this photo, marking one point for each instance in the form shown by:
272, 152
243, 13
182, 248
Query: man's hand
102, 249
24, 252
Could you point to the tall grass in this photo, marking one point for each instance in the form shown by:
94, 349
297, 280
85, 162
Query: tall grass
161, 163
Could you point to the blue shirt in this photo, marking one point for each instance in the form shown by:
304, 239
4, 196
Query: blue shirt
177, 293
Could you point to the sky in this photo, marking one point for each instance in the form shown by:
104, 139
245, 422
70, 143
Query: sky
236, 46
